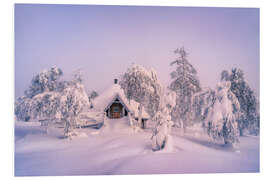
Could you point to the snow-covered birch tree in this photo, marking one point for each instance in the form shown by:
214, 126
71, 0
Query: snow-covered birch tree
55, 100
45, 105
72, 102
143, 87
185, 83
41, 100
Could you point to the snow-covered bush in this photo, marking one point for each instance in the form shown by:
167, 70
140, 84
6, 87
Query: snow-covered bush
221, 119
249, 104
185, 83
143, 87
163, 126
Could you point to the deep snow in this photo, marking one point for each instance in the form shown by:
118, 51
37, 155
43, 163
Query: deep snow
116, 149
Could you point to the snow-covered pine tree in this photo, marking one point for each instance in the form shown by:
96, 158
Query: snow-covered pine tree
185, 83
143, 87
161, 133
72, 102
249, 104
221, 119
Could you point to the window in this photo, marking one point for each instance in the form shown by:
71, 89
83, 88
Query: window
116, 109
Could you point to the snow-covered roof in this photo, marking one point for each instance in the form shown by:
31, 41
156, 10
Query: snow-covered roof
106, 98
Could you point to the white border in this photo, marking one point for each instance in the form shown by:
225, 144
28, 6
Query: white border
7, 83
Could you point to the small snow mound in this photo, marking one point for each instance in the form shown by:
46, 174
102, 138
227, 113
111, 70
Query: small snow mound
118, 126
94, 133
169, 148
82, 135
75, 135
230, 147
136, 129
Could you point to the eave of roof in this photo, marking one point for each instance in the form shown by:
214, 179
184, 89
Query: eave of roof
120, 100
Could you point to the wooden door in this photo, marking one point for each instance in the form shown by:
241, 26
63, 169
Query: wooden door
116, 111
115, 115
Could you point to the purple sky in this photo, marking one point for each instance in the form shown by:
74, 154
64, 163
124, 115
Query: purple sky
103, 41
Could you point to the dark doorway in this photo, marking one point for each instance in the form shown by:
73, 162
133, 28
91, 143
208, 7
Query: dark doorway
116, 110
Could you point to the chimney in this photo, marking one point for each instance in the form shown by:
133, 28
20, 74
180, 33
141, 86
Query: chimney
115, 81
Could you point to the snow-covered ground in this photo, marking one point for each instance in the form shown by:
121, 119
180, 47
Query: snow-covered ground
116, 149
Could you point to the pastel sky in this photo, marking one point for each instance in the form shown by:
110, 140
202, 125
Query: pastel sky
103, 41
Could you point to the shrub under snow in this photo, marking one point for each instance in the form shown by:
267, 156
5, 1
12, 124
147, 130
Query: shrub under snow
161, 133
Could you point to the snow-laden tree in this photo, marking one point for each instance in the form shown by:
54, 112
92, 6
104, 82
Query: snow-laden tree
73, 100
41, 98
221, 120
23, 111
46, 80
249, 104
45, 105
91, 96
185, 83
63, 103
142, 86
161, 133
201, 103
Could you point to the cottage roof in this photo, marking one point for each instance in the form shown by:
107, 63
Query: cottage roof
106, 98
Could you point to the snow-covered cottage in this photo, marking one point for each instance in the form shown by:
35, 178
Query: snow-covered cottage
114, 102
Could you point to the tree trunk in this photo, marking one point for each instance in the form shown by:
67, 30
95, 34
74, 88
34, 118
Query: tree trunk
240, 132
47, 127
140, 115
130, 119
67, 128
104, 119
